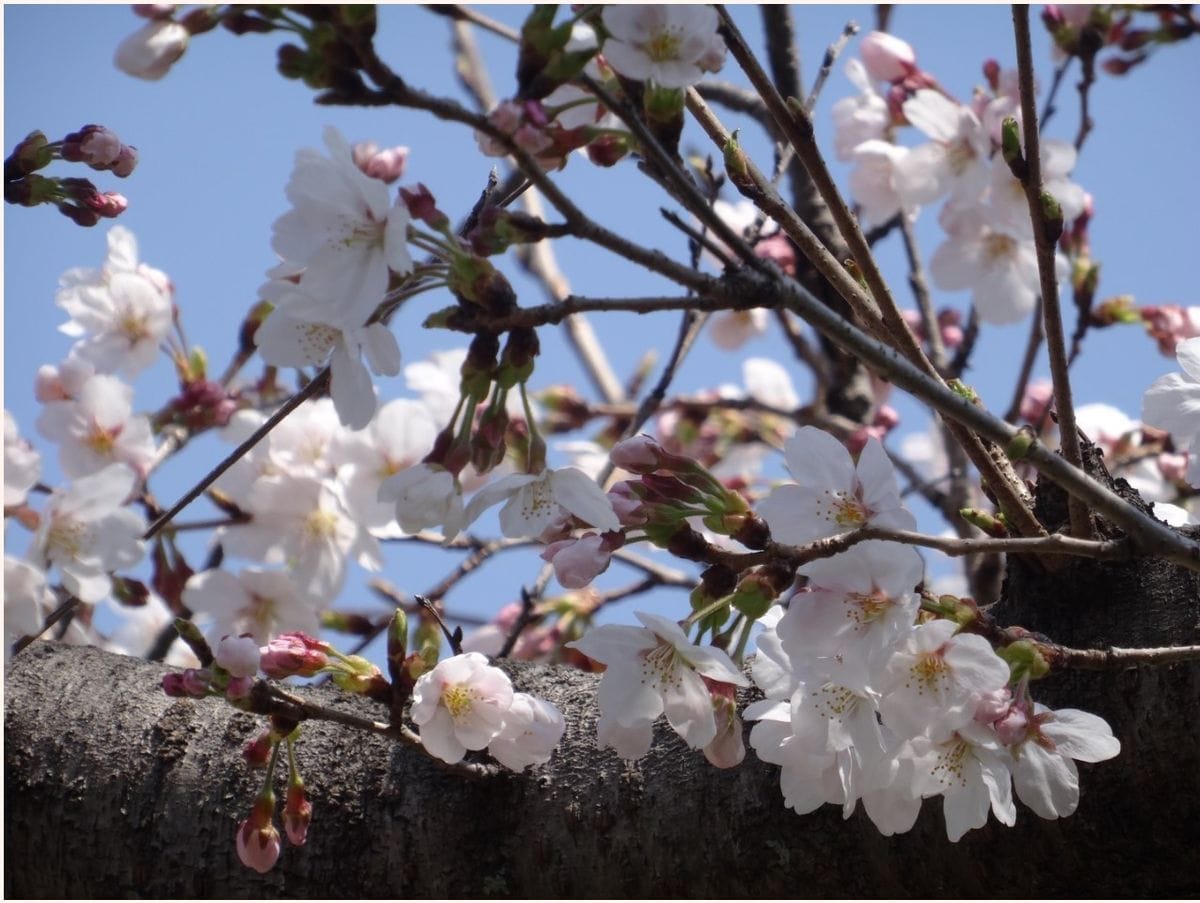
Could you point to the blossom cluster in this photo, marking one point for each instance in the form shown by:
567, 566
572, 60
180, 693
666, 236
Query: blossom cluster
989, 247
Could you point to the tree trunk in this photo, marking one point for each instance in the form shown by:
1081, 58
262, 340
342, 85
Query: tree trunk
113, 789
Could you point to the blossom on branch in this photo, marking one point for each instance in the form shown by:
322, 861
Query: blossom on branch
462, 704
671, 46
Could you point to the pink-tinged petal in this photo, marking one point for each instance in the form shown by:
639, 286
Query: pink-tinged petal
583, 497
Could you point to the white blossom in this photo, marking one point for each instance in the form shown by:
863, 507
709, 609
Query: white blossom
461, 704
532, 728
87, 534
665, 44
343, 231
534, 501
98, 428
652, 670
259, 602
832, 494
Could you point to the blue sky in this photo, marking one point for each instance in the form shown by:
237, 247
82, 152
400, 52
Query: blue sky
217, 136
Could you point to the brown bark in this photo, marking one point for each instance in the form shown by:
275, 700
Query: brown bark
113, 789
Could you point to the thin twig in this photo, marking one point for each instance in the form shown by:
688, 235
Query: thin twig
1117, 658
832, 52
1032, 345
1045, 241
314, 386
453, 637
466, 14
65, 609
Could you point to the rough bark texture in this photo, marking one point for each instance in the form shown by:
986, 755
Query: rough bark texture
113, 789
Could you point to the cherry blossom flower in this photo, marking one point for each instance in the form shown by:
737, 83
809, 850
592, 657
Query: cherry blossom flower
727, 749
256, 602
832, 494
303, 332
998, 267
302, 522
98, 428
150, 51
461, 704
124, 320
1044, 772
425, 495
1006, 196
532, 728
22, 464
864, 117
668, 45
398, 436
343, 231
534, 501
87, 533
970, 771
856, 606
932, 682
955, 161
1172, 403
652, 670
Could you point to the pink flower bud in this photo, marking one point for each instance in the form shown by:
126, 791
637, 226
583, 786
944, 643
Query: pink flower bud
777, 248
991, 72
1038, 397
258, 841
126, 161
1173, 466
1012, 727
239, 688
192, 682
727, 748
297, 814
1169, 324
506, 117
993, 705
293, 654
887, 58
238, 655
629, 508
109, 204
150, 51
577, 562
386, 165
638, 454
532, 139
258, 751
422, 205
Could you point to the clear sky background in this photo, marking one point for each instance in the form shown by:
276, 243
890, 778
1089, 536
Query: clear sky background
217, 137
